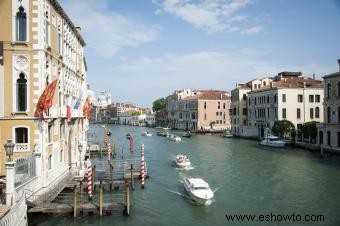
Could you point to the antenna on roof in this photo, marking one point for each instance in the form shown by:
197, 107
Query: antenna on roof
339, 63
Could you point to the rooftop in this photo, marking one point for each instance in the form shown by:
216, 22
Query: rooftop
292, 82
210, 95
336, 74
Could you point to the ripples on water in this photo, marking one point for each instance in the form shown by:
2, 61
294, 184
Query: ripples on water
247, 179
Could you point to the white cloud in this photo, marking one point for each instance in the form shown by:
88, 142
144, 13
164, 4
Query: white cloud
253, 30
105, 31
210, 15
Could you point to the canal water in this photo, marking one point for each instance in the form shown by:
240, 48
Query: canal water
248, 179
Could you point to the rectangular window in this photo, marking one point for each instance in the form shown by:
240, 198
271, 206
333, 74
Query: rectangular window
223, 105
338, 139
244, 111
284, 113
220, 121
21, 135
311, 98
50, 162
317, 98
300, 98
50, 134
298, 113
61, 155
244, 97
219, 105
220, 113
283, 97
311, 113
216, 113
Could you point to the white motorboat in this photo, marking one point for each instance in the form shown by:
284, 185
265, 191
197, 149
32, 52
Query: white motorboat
166, 128
198, 190
182, 161
173, 137
227, 134
272, 141
147, 134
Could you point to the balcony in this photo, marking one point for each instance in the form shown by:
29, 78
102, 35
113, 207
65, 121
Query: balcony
21, 147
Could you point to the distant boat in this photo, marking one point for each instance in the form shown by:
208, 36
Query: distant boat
173, 137
187, 134
147, 134
166, 128
272, 141
108, 133
227, 134
182, 161
162, 133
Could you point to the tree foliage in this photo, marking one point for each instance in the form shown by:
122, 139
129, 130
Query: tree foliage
284, 128
136, 113
309, 129
159, 104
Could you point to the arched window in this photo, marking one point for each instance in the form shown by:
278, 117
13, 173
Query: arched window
321, 137
21, 135
21, 25
328, 90
21, 93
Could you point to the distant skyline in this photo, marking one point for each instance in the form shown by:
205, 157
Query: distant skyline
142, 50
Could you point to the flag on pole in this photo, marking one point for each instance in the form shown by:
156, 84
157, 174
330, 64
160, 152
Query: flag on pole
87, 108
68, 109
78, 102
45, 100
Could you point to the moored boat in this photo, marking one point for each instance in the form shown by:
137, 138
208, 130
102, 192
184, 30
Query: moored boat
162, 133
198, 190
272, 141
227, 134
182, 161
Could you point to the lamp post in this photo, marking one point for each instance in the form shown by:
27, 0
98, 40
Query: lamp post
80, 148
9, 147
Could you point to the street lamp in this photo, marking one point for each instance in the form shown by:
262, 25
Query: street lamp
80, 148
9, 146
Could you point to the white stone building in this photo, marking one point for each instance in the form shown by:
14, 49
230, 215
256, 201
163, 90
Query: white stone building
289, 96
329, 131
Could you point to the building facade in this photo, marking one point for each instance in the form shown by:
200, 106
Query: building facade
40, 44
289, 96
329, 131
199, 110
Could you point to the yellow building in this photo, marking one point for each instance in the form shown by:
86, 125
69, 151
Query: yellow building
38, 45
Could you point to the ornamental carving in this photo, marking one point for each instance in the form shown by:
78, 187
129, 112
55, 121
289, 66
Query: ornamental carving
21, 63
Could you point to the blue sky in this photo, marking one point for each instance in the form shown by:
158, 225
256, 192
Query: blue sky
141, 50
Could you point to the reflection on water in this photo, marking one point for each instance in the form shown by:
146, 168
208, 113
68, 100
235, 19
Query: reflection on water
247, 179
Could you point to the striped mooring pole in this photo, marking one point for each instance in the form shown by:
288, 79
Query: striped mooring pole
142, 166
89, 179
108, 152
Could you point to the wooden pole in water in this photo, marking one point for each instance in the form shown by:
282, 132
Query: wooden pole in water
100, 150
101, 199
93, 175
131, 169
81, 192
142, 166
127, 200
111, 177
75, 201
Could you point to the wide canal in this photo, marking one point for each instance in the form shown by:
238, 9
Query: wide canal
249, 179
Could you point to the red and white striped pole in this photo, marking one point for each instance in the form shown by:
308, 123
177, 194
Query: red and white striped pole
89, 178
142, 167
108, 152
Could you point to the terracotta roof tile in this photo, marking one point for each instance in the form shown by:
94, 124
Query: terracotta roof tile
210, 95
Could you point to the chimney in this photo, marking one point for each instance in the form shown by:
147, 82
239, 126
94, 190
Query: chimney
314, 76
78, 29
236, 84
339, 64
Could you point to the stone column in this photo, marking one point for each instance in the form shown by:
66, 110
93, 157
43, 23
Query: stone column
38, 169
10, 180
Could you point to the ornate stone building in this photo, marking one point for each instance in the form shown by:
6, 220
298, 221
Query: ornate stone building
40, 44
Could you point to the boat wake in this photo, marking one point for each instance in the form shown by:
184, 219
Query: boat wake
178, 193
216, 190
185, 168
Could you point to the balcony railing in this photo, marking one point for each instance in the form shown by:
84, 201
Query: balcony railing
21, 147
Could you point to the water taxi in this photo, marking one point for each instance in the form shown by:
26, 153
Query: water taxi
198, 190
182, 161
